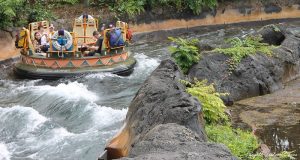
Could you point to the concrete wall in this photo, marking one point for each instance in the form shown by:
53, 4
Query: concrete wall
222, 16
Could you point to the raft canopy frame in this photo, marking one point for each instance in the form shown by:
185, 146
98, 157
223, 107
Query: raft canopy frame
83, 28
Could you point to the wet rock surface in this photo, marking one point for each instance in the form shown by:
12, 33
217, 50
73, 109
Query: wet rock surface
164, 122
172, 141
281, 108
162, 99
7, 45
274, 118
257, 74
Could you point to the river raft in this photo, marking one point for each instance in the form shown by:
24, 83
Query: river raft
66, 56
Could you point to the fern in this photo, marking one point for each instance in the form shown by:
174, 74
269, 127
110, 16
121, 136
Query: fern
241, 143
197, 5
185, 53
241, 48
212, 105
131, 7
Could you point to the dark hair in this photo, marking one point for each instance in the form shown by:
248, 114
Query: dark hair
36, 33
85, 16
95, 33
61, 32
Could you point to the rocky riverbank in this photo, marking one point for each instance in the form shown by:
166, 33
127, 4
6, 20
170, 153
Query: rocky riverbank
7, 45
274, 118
164, 122
257, 74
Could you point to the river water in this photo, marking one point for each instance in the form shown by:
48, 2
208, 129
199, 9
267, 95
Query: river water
74, 118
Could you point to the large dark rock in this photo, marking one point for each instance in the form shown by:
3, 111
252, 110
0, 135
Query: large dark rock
272, 34
172, 141
255, 75
162, 100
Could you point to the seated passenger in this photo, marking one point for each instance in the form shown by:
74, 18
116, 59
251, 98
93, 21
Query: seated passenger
40, 43
51, 31
98, 45
37, 42
129, 34
115, 37
44, 39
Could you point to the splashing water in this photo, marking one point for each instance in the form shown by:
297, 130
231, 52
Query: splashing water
4, 153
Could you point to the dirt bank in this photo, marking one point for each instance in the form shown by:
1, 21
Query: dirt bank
7, 46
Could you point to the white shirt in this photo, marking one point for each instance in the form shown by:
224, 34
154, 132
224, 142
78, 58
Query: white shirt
44, 40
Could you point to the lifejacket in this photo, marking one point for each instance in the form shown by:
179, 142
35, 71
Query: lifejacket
20, 39
129, 35
116, 38
62, 42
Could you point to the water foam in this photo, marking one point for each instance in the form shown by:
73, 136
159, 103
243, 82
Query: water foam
21, 119
101, 75
103, 116
70, 91
4, 153
145, 65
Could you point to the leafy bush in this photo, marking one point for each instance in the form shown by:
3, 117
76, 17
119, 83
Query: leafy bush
284, 155
185, 53
240, 143
39, 12
241, 48
135, 7
131, 7
9, 12
69, 1
212, 105
20, 12
197, 5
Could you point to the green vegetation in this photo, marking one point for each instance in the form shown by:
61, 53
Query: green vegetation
212, 104
20, 12
8, 12
241, 143
284, 155
130, 7
135, 7
185, 53
241, 48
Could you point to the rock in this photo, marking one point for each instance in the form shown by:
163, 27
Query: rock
270, 8
255, 75
162, 100
272, 35
172, 141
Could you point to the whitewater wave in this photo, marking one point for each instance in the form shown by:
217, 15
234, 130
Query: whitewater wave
18, 121
145, 65
103, 116
31, 135
102, 75
71, 91
4, 153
